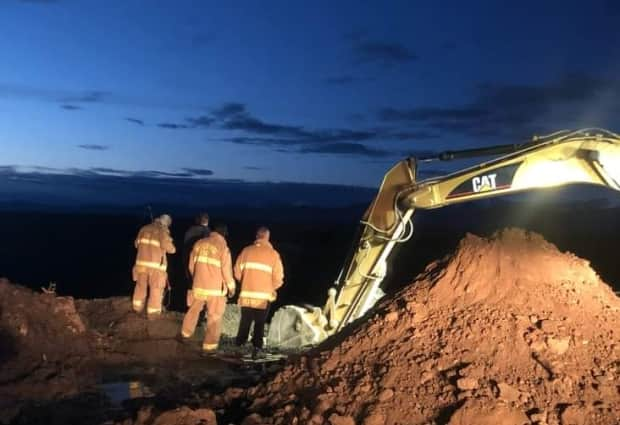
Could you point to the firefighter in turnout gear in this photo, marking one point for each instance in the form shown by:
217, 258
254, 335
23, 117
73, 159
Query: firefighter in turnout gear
210, 265
149, 272
260, 271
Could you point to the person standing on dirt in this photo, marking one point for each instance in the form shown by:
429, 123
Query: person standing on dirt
150, 269
260, 271
210, 265
196, 232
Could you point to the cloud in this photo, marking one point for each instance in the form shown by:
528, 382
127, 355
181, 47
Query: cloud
518, 110
229, 109
71, 107
94, 147
88, 97
199, 171
382, 52
60, 96
251, 130
253, 168
356, 149
171, 126
156, 174
201, 121
135, 121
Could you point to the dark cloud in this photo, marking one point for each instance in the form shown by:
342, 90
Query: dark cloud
94, 147
381, 52
70, 107
202, 121
17, 91
255, 131
199, 171
229, 109
171, 126
518, 110
135, 121
107, 170
156, 174
88, 97
356, 149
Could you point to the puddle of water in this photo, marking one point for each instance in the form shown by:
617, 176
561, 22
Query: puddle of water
118, 392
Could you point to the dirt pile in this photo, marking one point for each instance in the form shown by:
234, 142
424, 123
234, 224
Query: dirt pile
506, 330
40, 334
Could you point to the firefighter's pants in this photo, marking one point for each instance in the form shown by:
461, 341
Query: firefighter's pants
249, 315
155, 282
215, 312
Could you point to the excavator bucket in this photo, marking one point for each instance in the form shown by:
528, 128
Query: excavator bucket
294, 327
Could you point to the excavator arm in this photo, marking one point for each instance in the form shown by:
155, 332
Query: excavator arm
584, 156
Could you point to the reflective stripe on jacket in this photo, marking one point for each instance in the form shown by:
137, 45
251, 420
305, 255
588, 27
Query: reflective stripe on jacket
153, 243
211, 267
260, 270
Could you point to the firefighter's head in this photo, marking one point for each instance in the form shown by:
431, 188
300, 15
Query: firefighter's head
262, 233
165, 220
203, 219
221, 228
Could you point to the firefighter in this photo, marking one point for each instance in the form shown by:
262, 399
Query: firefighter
210, 265
149, 272
196, 232
260, 272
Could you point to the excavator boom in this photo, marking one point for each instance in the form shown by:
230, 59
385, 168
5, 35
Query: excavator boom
583, 156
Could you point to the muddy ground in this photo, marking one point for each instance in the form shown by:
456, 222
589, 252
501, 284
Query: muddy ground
89, 361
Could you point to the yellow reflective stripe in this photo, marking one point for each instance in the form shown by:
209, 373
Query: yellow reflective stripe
208, 260
250, 265
151, 310
149, 242
151, 265
201, 293
185, 334
209, 347
257, 295
137, 302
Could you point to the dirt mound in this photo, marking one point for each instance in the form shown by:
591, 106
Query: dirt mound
506, 330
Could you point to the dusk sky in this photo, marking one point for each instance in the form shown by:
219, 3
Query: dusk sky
281, 91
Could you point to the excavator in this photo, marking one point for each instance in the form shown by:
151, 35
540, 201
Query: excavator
587, 156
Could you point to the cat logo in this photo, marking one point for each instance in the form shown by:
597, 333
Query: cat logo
484, 183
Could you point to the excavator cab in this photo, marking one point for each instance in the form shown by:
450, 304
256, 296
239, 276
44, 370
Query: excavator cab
590, 156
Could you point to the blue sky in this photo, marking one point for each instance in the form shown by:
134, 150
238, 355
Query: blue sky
280, 91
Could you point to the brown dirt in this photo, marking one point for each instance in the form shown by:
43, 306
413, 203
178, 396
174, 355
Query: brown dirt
54, 351
506, 330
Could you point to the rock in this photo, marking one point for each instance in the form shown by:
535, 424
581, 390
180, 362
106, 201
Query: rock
374, 419
508, 393
186, 416
253, 419
481, 412
336, 419
467, 384
391, 316
559, 345
144, 414
386, 394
